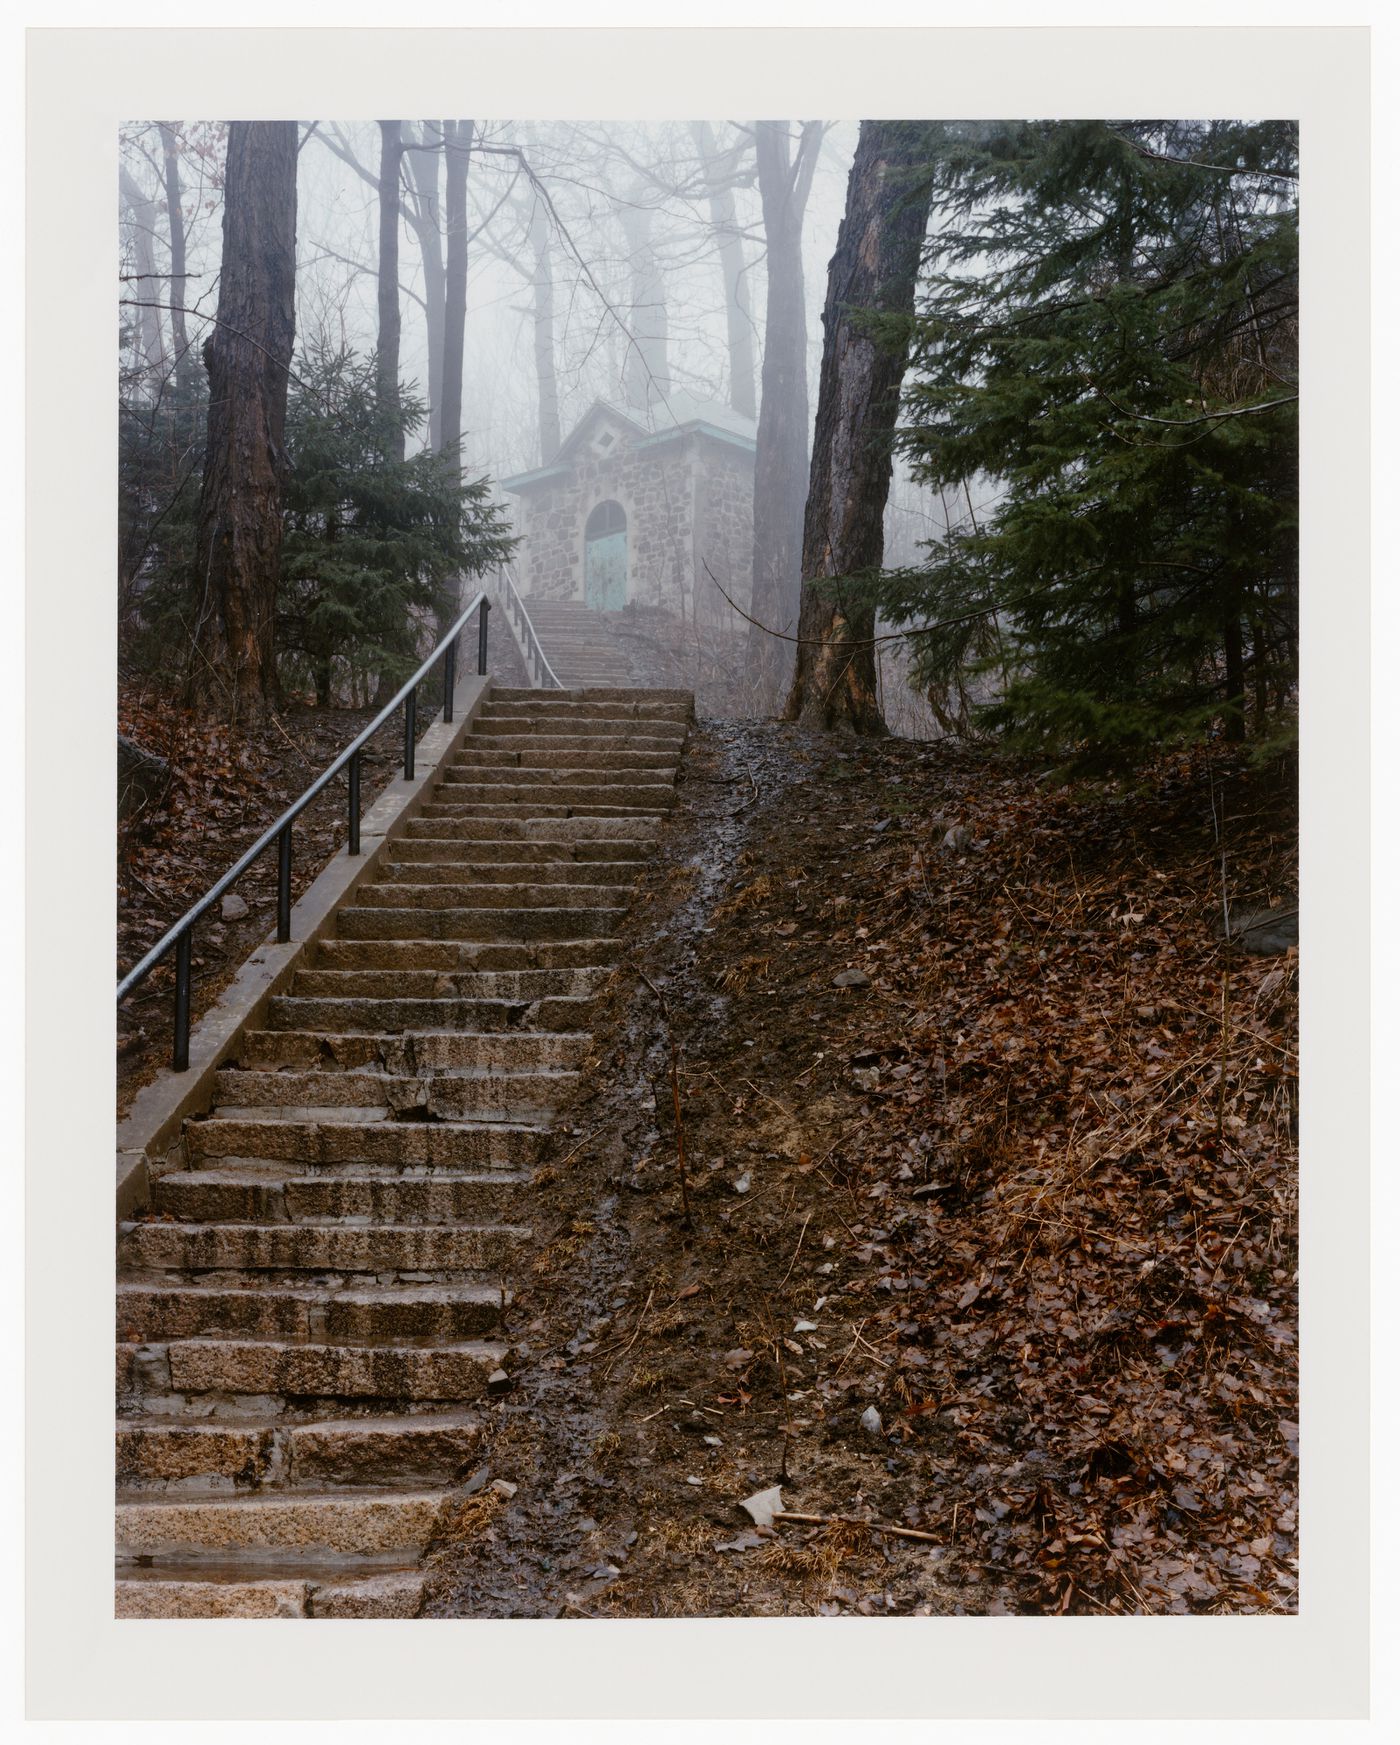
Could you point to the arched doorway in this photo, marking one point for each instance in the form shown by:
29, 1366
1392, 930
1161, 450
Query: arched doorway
605, 558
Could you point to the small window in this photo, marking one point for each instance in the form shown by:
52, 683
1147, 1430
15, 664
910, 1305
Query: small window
606, 518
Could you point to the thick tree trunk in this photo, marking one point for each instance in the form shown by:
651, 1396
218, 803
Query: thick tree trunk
542, 286
175, 219
424, 170
780, 464
738, 316
875, 267
390, 322
248, 359
141, 209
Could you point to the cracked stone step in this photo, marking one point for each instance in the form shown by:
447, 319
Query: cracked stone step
450, 955
492, 894
384, 1594
158, 1313
269, 1192
462, 826
548, 858
438, 869
464, 1089
508, 985
428, 1448
525, 773
271, 1369
408, 1035
363, 922
314, 1525
521, 753
357, 1144
539, 811
521, 790
318, 1247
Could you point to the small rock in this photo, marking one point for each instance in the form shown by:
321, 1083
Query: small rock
504, 1486
233, 908
498, 1382
851, 978
744, 1183
714, 1441
805, 1327
695, 1481
871, 1422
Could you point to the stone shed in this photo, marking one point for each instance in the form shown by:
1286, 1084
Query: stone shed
630, 515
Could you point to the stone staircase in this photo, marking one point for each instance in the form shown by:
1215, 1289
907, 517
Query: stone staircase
315, 1300
579, 643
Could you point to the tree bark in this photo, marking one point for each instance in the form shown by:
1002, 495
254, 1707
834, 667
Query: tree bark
424, 172
738, 316
458, 135
875, 268
248, 359
141, 209
542, 285
780, 463
390, 321
175, 218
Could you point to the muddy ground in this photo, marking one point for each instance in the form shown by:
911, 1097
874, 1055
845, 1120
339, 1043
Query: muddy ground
988, 1221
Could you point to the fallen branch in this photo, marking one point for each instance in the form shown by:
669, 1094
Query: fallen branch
853, 1521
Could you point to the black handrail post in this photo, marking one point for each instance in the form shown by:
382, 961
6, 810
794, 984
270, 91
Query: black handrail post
410, 732
355, 803
284, 885
481, 643
180, 1059
449, 678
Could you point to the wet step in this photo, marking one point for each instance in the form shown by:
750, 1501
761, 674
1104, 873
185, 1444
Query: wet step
268, 1191
176, 1374
450, 956
408, 1144
438, 893
508, 985
547, 860
358, 1314
524, 922
334, 1247
427, 1448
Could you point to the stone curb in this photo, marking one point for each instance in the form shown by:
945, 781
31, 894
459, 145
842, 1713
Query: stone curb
161, 1107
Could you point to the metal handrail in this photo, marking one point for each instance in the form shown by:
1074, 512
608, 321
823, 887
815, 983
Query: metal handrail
534, 647
180, 935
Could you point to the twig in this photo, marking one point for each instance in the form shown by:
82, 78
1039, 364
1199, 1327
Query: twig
855, 1521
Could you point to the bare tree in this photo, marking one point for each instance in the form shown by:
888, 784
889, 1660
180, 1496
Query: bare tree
875, 268
542, 300
141, 224
175, 220
423, 163
780, 464
390, 324
248, 357
718, 170
646, 369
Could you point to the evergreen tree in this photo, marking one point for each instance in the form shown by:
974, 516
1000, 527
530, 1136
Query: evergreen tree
373, 542
1108, 330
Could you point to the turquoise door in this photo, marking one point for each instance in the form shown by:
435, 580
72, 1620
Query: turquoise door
605, 559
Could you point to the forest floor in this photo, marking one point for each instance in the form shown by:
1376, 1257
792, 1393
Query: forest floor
989, 1157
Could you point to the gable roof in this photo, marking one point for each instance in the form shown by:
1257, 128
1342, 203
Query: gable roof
679, 415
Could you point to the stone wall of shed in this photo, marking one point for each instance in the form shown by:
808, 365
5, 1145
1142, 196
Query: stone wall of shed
683, 500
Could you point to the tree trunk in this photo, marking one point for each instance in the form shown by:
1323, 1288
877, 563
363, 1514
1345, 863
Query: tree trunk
424, 172
646, 371
175, 218
248, 359
780, 463
458, 136
738, 315
875, 267
542, 285
141, 209
390, 323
